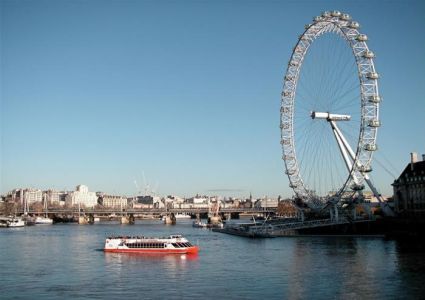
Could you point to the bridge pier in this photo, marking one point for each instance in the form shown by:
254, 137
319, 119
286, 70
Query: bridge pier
300, 215
214, 220
333, 211
127, 220
170, 219
83, 220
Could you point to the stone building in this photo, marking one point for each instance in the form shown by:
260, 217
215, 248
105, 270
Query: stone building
112, 201
82, 196
409, 188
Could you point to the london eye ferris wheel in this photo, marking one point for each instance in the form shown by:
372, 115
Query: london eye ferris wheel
330, 112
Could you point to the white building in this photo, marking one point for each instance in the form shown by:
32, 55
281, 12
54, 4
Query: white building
267, 203
200, 200
55, 197
82, 196
22, 196
32, 195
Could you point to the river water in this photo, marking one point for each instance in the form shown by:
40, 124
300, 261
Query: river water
66, 261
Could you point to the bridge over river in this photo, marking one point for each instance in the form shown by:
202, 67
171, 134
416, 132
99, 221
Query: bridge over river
144, 212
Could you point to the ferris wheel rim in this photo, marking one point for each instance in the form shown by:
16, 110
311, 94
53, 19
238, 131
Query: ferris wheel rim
346, 28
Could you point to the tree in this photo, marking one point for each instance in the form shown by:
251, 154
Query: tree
286, 208
8, 208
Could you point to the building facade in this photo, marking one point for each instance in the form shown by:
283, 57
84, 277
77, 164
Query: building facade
112, 201
55, 197
25, 196
409, 188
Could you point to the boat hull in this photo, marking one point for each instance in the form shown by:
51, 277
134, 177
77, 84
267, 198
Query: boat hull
189, 250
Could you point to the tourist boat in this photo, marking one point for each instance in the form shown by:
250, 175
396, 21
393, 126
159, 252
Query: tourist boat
43, 221
140, 244
199, 224
12, 222
182, 216
177, 216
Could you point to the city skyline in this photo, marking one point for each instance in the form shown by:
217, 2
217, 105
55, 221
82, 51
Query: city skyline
185, 94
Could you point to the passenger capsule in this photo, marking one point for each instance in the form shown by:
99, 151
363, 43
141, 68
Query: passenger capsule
354, 25
365, 169
293, 63
293, 185
371, 147
289, 172
284, 109
368, 54
326, 14
372, 75
307, 26
287, 93
335, 13
285, 126
317, 19
374, 99
361, 38
289, 78
374, 123
345, 17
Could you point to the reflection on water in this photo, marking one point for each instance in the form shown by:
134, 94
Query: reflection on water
173, 264
111, 257
65, 261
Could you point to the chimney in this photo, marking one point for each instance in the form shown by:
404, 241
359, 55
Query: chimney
413, 159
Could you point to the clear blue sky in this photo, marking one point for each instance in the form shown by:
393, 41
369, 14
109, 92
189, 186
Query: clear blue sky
188, 92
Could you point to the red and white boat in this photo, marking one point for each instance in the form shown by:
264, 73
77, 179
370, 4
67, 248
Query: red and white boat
140, 244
